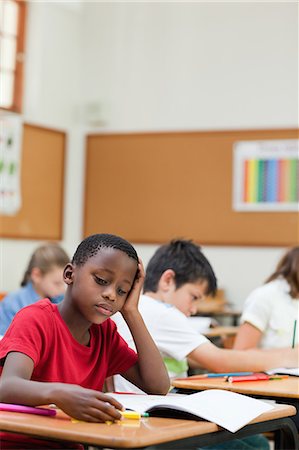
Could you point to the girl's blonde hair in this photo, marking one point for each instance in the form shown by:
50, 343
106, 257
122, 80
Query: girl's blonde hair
45, 258
288, 268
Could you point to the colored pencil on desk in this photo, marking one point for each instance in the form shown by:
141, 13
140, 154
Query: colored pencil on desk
215, 375
294, 333
27, 409
256, 377
229, 374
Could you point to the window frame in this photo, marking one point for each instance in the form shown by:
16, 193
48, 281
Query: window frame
17, 97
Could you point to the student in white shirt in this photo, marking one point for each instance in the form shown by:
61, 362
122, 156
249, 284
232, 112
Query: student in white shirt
177, 275
271, 312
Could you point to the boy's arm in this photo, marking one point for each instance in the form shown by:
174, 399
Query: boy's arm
83, 404
149, 373
217, 359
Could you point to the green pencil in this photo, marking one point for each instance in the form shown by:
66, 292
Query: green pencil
294, 333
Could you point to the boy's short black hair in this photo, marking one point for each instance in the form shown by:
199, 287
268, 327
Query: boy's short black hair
93, 244
187, 261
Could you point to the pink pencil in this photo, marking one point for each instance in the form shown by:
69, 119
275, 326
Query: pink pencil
27, 409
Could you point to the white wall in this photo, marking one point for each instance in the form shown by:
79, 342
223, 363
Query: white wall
52, 68
192, 65
158, 66
52, 79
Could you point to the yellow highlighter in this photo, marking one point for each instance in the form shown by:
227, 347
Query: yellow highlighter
133, 414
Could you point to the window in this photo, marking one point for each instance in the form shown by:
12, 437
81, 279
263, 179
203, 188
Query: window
12, 30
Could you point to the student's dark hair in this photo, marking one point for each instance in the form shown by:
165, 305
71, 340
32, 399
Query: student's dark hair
288, 268
90, 246
187, 261
45, 258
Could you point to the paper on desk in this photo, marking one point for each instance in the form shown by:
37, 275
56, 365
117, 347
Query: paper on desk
227, 409
284, 371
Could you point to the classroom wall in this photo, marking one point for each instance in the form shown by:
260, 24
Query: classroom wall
158, 66
192, 65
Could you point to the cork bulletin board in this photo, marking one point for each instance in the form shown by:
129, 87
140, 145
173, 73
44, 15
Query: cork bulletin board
42, 187
152, 187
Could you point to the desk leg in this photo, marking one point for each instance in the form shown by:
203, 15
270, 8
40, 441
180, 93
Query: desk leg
288, 437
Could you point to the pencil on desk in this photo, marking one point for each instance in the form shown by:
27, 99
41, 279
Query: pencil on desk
214, 375
228, 374
256, 377
133, 414
294, 333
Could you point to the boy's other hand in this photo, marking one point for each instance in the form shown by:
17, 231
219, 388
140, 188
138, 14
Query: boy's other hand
131, 303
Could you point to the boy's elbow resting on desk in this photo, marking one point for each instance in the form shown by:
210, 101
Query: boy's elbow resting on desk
158, 387
159, 390
151, 383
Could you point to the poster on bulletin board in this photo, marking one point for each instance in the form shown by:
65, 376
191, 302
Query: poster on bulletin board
11, 129
265, 175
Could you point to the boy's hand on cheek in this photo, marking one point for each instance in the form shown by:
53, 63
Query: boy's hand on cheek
88, 405
131, 303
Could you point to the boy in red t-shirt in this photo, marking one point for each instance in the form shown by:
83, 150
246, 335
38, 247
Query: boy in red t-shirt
62, 353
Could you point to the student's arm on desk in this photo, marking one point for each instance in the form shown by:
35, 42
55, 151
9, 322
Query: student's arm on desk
78, 402
217, 359
248, 336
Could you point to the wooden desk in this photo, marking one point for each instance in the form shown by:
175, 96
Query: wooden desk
221, 336
217, 307
282, 391
210, 304
221, 331
285, 388
225, 312
150, 431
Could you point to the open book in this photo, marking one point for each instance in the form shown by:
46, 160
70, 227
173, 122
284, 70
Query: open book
227, 409
294, 371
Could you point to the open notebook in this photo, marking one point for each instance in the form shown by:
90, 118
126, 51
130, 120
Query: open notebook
284, 371
227, 409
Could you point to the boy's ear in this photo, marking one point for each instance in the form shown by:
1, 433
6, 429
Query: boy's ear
167, 280
68, 273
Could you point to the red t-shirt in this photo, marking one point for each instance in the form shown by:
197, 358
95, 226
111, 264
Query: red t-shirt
39, 332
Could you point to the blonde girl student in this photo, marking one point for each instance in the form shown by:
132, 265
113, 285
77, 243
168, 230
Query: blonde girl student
42, 278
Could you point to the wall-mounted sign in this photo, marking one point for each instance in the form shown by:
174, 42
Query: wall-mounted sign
266, 175
10, 163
